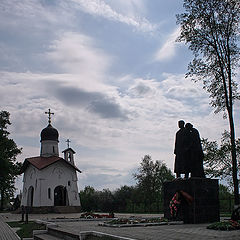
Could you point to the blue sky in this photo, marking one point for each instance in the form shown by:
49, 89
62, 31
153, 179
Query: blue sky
111, 72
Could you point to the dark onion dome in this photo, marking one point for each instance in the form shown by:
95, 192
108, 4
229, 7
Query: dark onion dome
49, 133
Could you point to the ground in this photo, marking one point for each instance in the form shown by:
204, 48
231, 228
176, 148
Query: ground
170, 232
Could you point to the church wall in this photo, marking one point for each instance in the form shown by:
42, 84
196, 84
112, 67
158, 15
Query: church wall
57, 174
29, 180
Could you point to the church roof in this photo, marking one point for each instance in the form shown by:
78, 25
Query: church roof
43, 162
68, 149
49, 133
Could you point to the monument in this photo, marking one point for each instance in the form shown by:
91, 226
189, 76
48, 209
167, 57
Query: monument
50, 181
194, 199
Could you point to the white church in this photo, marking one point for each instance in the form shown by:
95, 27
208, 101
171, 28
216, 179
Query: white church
50, 181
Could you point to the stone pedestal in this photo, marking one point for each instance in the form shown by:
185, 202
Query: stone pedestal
205, 205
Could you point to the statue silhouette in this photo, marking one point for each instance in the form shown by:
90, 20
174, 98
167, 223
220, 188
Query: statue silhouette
188, 151
180, 160
195, 153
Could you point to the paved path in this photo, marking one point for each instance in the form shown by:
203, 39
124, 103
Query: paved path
169, 232
165, 232
6, 233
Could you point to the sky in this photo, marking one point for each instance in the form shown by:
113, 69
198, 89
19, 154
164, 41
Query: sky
112, 73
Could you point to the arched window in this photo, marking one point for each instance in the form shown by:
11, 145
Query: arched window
69, 157
49, 193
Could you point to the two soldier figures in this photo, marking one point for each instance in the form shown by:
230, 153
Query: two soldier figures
188, 151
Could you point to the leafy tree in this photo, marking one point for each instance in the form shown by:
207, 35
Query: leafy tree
217, 159
105, 201
123, 196
88, 199
9, 168
225, 199
211, 28
150, 178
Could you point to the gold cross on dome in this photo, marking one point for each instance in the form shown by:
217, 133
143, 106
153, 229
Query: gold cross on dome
68, 143
49, 115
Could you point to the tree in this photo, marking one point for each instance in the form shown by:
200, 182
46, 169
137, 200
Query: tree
105, 201
211, 28
150, 178
123, 197
217, 159
225, 199
88, 199
9, 168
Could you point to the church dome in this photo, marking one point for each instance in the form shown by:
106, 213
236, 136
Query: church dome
49, 133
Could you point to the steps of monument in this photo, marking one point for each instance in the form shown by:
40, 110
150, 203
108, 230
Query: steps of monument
62, 234
56, 234
46, 236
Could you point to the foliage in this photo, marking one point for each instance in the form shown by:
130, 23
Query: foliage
225, 226
211, 28
150, 178
146, 196
124, 197
217, 159
9, 168
225, 199
106, 203
88, 199
26, 230
93, 200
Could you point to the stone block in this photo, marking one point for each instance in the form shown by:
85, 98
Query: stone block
205, 205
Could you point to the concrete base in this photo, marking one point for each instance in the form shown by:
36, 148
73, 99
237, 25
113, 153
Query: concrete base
53, 209
205, 205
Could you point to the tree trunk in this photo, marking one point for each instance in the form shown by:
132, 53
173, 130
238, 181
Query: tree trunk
234, 160
2, 199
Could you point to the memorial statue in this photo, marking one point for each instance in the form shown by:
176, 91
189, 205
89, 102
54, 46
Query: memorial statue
195, 154
179, 150
188, 151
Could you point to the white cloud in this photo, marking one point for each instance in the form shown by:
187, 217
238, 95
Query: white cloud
34, 14
168, 50
112, 143
100, 8
89, 99
76, 53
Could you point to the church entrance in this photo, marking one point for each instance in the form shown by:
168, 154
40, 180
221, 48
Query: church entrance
60, 196
30, 196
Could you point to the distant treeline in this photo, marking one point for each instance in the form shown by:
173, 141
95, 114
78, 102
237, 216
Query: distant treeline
145, 197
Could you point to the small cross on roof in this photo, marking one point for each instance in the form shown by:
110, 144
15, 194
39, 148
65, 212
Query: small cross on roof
68, 143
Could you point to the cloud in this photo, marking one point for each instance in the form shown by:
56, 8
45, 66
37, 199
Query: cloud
98, 134
34, 14
95, 102
143, 88
77, 53
100, 8
168, 50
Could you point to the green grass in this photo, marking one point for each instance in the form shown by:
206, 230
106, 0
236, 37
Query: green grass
26, 230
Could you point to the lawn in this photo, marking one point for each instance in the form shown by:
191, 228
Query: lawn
26, 230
